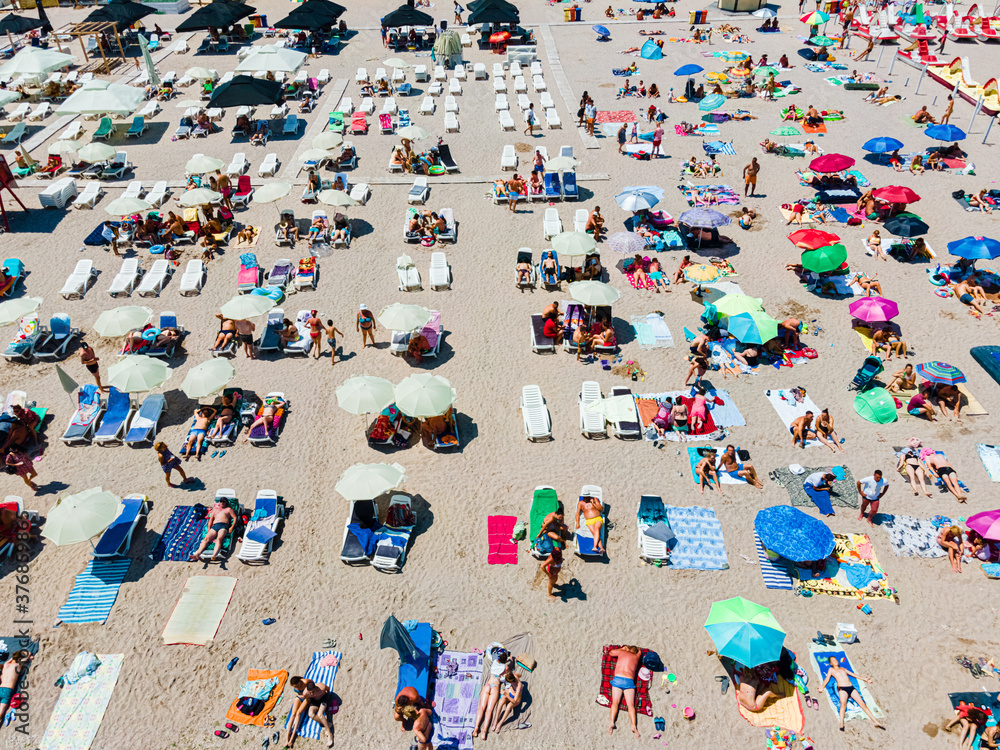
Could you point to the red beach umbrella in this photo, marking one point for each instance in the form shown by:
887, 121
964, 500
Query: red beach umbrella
500, 36
896, 194
812, 239
831, 163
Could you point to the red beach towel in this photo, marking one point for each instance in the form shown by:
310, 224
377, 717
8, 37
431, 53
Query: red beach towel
643, 705
502, 550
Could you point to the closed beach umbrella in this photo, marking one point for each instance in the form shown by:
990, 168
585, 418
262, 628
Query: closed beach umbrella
882, 145
626, 243
830, 163
734, 304
208, 378
906, 225
573, 244
704, 218
823, 259
940, 372
199, 197
752, 327
945, 132
402, 317
701, 273
364, 394
636, 200
808, 239
594, 293
874, 309
77, 518
688, 70
896, 194
561, 163
271, 192
368, 481
103, 98
95, 152
326, 140
448, 43
987, 524
336, 198
711, 102
876, 405
398, 638
34, 62
794, 535
13, 310
246, 91
202, 164
413, 133
974, 248
745, 631
424, 395
121, 320
244, 306
138, 373
127, 206
493, 12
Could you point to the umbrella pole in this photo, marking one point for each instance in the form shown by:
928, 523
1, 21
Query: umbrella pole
893, 61
921, 80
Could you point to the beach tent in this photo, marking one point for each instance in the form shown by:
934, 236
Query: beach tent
876, 405
651, 51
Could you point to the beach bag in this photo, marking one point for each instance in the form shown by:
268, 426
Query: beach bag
250, 706
651, 661
526, 662
520, 532
544, 545
958, 194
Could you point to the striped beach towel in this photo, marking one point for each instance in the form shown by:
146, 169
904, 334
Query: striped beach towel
182, 533
95, 590
775, 577
322, 668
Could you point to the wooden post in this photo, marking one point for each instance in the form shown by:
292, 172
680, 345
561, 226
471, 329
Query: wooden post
82, 46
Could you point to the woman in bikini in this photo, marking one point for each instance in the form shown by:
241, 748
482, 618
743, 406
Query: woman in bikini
875, 245
312, 699
978, 200
502, 663
950, 540
224, 417
910, 459
593, 516
366, 325
510, 699
639, 275
903, 380
867, 283
266, 416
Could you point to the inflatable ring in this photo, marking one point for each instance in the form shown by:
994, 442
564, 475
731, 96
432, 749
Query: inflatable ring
436, 169
150, 334
427, 241
157, 249
943, 292
938, 279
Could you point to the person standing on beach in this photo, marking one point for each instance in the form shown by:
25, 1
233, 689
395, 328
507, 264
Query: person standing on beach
551, 566
590, 112
169, 462
366, 324
871, 489
750, 177
110, 233
458, 13
89, 359
22, 465
331, 339
244, 330
531, 119
948, 110
623, 684
622, 136
657, 139
315, 326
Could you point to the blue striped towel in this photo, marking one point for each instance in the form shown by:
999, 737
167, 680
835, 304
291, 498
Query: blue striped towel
327, 675
95, 591
775, 577
719, 147
700, 545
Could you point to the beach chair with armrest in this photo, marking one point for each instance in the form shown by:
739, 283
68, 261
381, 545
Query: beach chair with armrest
419, 191
535, 414
553, 189
569, 189
359, 123
92, 192
28, 334
90, 406
14, 269
651, 513
117, 168
524, 256
591, 422
168, 319
390, 552
238, 165
56, 339
584, 538
265, 521
226, 497
151, 109
158, 195
549, 280
193, 277
626, 428
357, 546
440, 272
291, 127
450, 234
244, 191
270, 339
508, 158
155, 278
146, 423
138, 126
281, 273
79, 281
19, 113
117, 538
105, 129
268, 167
248, 276
551, 223
409, 276
115, 419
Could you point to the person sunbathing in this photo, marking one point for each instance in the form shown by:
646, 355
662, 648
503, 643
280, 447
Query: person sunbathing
595, 223
917, 165
922, 116
341, 226
979, 200
345, 158
593, 515
501, 664
523, 272
549, 269
512, 691
797, 210
876, 95
311, 699
934, 162
812, 117
801, 429
875, 245
846, 690
903, 380
748, 691
867, 283
971, 295
939, 468
639, 275
10, 676
226, 334
266, 417
196, 438
260, 135
224, 417
954, 151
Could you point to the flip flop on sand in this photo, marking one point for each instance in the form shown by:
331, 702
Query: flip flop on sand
232, 727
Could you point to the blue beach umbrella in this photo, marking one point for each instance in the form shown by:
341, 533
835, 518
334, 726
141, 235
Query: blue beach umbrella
601, 31
710, 102
651, 51
752, 327
794, 535
688, 70
945, 132
651, 189
704, 218
745, 631
975, 248
882, 145
636, 200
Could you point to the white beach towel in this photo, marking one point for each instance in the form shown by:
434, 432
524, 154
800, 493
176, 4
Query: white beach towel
789, 411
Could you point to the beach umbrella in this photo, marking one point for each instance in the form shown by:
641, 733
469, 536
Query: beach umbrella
594, 293
477, 4
14, 309
986, 524
328, 140
876, 405
127, 206
6, 97
711, 102
688, 70
701, 273
244, 306
906, 225
122, 13
447, 44
96, 151
103, 98
745, 631
65, 147
424, 395
271, 192
271, 58
202, 74
765, 13
77, 518
716, 76
395, 62
246, 91
402, 317
573, 243
336, 198
121, 320
752, 327
882, 145
874, 309
137, 373
364, 394
765, 70
829, 163
561, 163
940, 372
704, 218
34, 62
650, 50
636, 200
306, 19
413, 133
815, 18
896, 194
153, 78
202, 164
499, 37
68, 384
821, 41
739, 73
626, 243
406, 15
188, 103
808, 239
793, 534
945, 132
651, 189
733, 56
208, 378
216, 15
823, 259
396, 637
601, 31
490, 13
786, 130
199, 197
315, 154
15, 24
975, 248
368, 481
734, 304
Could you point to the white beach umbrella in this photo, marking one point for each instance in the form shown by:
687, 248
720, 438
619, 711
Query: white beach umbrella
560, 163
397, 63
138, 373
364, 394
201, 164
201, 73
77, 518
103, 98
271, 192
199, 197
400, 317
127, 206
573, 244
413, 133
367, 481
336, 198
327, 140
244, 306
6, 97
14, 309
208, 378
272, 58
316, 154
594, 293
121, 320
96, 151
34, 62
424, 395
65, 147
188, 103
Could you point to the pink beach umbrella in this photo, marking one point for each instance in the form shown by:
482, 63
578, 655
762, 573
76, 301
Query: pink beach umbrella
874, 309
831, 163
986, 523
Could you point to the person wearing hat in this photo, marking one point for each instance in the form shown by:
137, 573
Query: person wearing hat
366, 325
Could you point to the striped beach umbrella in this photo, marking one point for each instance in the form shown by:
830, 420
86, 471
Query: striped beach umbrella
940, 372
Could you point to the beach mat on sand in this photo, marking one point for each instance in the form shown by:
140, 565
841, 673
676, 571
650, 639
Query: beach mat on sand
990, 456
849, 571
843, 493
812, 129
198, 613
234, 714
182, 533
643, 705
789, 410
80, 709
775, 576
911, 537
522, 643
785, 712
818, 657
95, 591
456, 698
700, 544
251, 243
502, 551
970, 405
694, 457
322, 668
620, 115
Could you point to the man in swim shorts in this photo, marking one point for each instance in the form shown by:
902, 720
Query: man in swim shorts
623, 684
593, 516
735, 468
244, 332
203, 417
221, 519
846, 690
801, 429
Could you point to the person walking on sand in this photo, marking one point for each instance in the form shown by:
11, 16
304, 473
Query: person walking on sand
846, 690
622, 136
551, 566
89, 359
366, 324
531, 119
169, 462
750, 177
244, 331
590, 111
315, 326
331, 339
657, 140
23, 466
948, 110
593, 517
623, 684
871, 489
220, 522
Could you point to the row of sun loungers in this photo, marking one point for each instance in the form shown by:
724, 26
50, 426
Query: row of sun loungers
538, 422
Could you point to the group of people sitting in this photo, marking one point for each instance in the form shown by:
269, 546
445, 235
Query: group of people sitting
770, 24
426, 224
584, 334
770, 147
381, 87
414, 162
627, 89
706, 168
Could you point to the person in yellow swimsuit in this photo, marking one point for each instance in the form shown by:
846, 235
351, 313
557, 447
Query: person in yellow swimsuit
593, 516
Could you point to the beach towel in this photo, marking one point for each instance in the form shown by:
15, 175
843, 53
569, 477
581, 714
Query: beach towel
985, 700
643, 705
623, 115
845, 576
990, 456
651, 332
94, 591
182, 534
252, 243
248, 260
911, 537
323, 668
80, 709
520, 644
813, 129
695, 456
456, 698
700, 545
789, 410
832, 285
719, 147
785, 712
971, 407
199, 611
843, 492
234, 713
502, 551
775, 575
818, 657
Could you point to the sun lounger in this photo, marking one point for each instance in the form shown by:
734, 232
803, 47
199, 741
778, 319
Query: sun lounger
246, 409
72, 131
591, 422
115, 419
364, 517
270, 339
479, 71
444, 154
455, 86
544, 500
19, 113
450, 122
281, 273
291, 126
238, 165
524, 256
28, 334
84, 420
500, 103
156, 278
79, 281
193, 278
248, 277
584, 538
523, 103
409, 276
390, 553
499, 86
538, 83
134, 190
389, 106
551, 223
653, 529
419, 191
537, 423
126, 279
545, 100
450, 234
427, 106
440, 272
508, 159
269, 167
146, 423
158, 195
520, 85
553, 188
92, 192
56, 339
265, 521
450, 104
569, 189
42, 111
505, 120
117, 538
626, 428
137, 128
307, 274
150, 111
580, 220
258, 435
435, 89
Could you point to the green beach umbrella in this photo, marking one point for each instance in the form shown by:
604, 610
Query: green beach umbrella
364, 394
827, 258
734, 304
271, 192
68, 384
244, 306
121, 320
208, 378
783, 130
594, 293
400, 317
821, 41
424, 395
138, 373
876, 405
368, 481
14, 309
745, 631
77, 518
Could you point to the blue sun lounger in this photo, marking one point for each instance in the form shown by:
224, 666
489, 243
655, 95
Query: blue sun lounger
570, 191
82, 423
146, 423
552, 186
117, 538
416, 673
116, 416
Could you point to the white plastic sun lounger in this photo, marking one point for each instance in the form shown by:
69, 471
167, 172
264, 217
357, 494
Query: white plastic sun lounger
500, 103
409, 276
155, 279
158, 194
450, 122
440, 272
269, 166
551, 223
419, 191
238, 165
193, 277
450, 104
78, 282
92, 191
591, 422
124, 283
552, 119
506, 121
273, 513
508, 159
427, 106
455, 87
479, 71
537, 423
